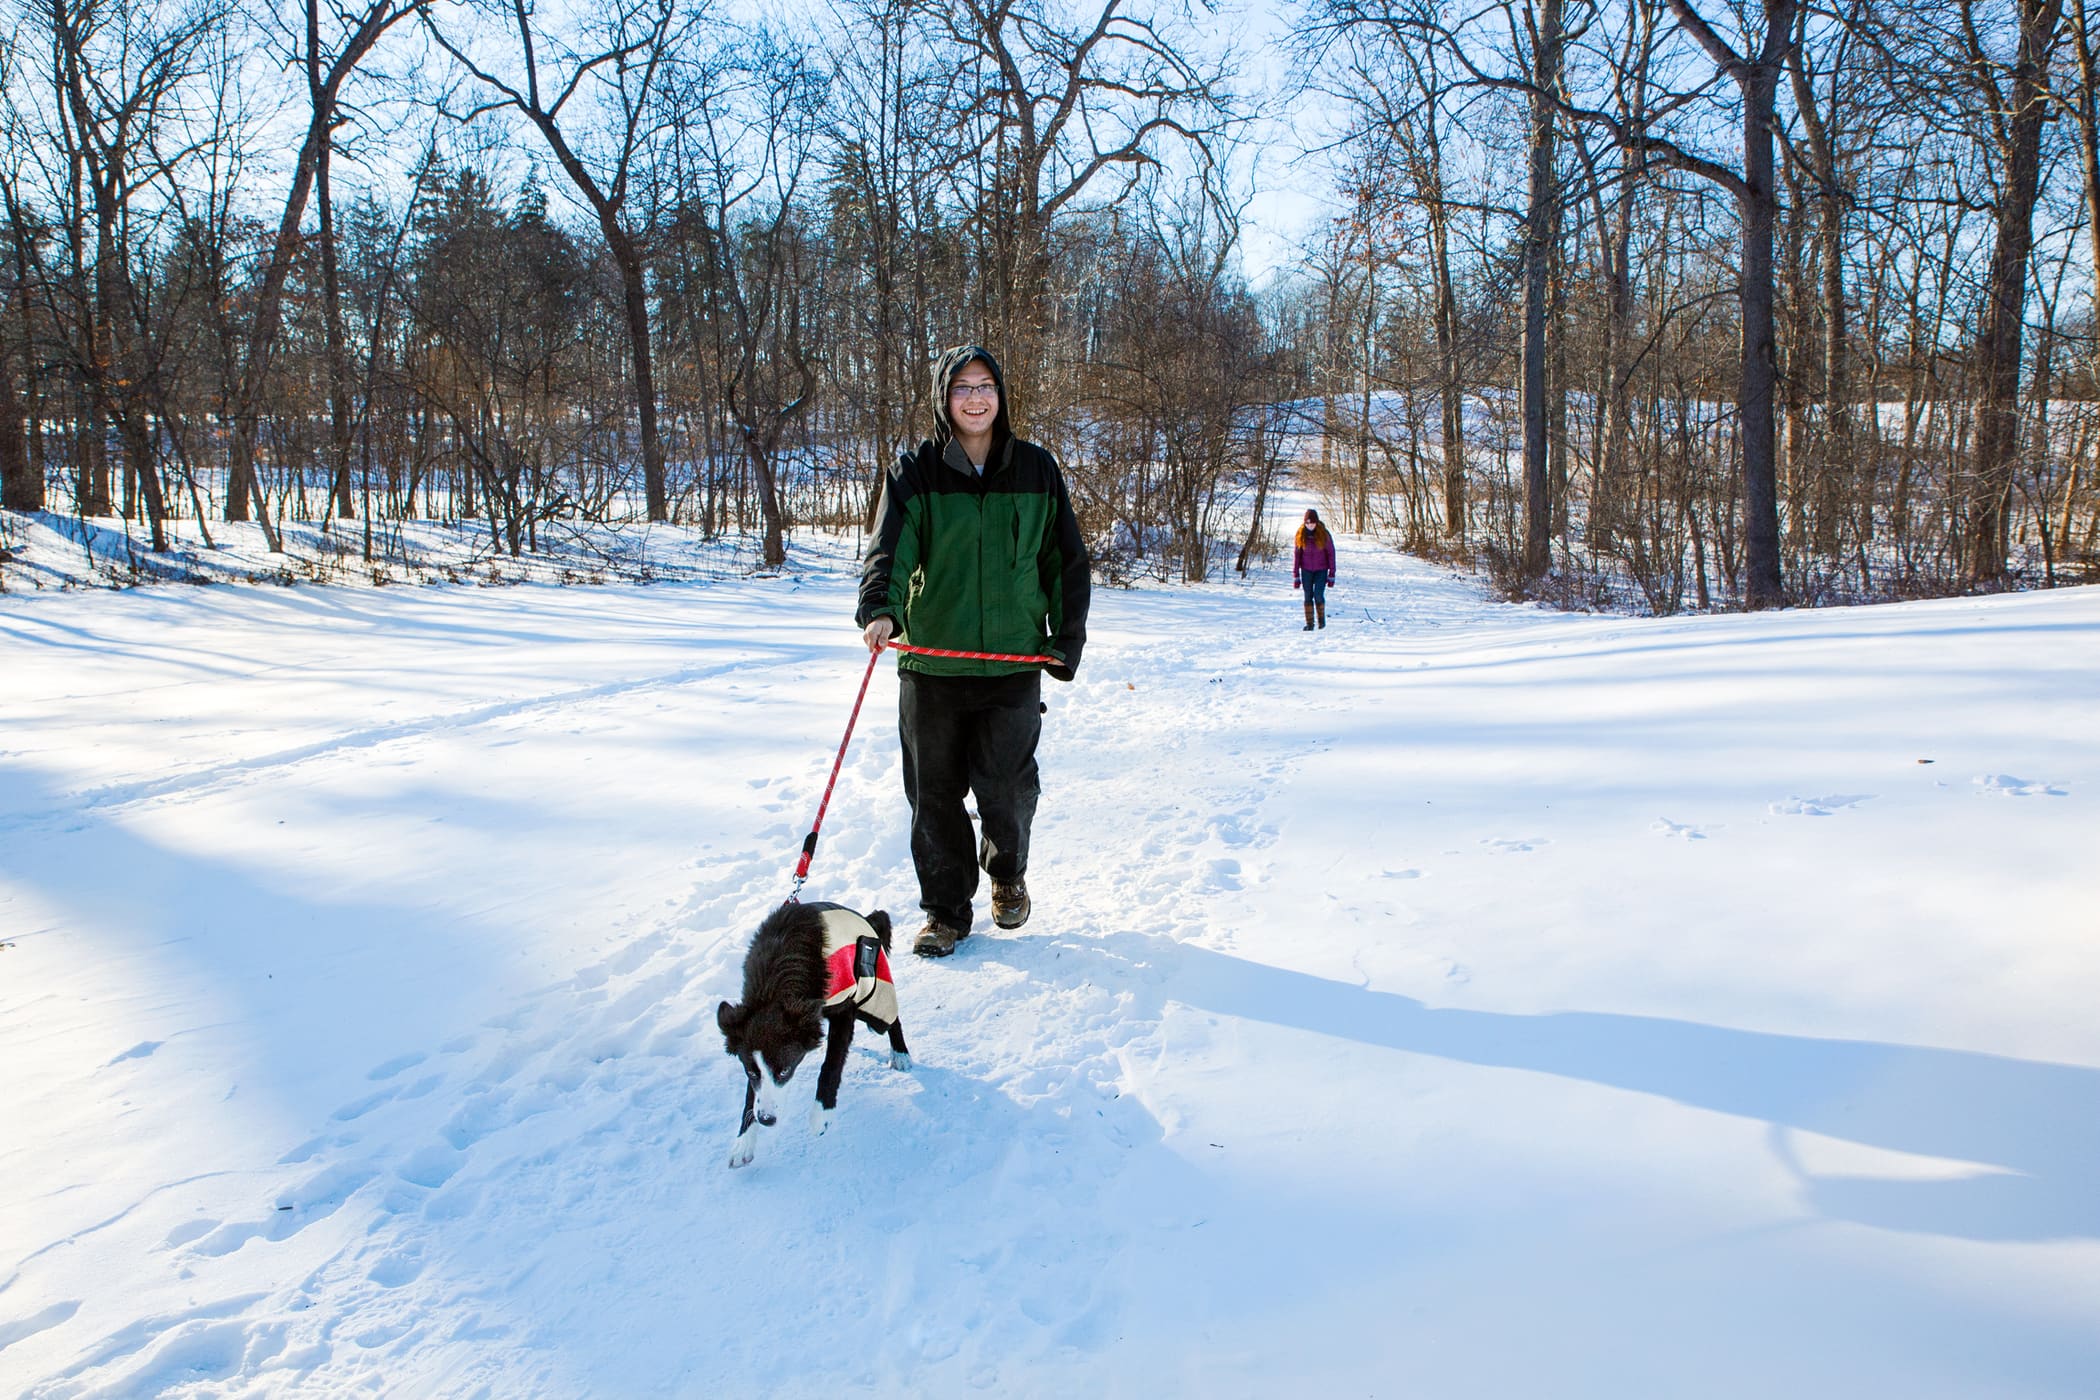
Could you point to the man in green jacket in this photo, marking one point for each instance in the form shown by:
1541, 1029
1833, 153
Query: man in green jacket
975, 549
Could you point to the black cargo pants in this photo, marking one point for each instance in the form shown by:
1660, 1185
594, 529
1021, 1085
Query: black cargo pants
964, 736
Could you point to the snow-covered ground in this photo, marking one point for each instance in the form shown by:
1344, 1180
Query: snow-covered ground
49, 550
1467, 1000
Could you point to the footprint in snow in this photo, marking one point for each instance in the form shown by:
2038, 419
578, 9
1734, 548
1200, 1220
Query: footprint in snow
398, 1065
1508, 846
395, 1270
1665, 827
432, 1167
351, 1112
2006, 785
316, 1199
1818, 806
12, 1332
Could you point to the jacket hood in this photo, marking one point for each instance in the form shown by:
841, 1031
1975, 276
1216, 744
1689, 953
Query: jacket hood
945, 367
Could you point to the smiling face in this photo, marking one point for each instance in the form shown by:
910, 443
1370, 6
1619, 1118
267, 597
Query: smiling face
973, 401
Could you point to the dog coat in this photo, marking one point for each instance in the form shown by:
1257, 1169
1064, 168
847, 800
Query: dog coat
856, 970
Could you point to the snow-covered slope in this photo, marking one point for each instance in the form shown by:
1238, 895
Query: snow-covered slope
1464, 1001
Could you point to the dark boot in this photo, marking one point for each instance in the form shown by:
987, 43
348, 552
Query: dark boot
1323, 613
1010, 902
937, 940
1308, 615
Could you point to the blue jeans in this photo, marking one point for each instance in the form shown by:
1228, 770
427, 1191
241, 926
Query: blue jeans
1315, 585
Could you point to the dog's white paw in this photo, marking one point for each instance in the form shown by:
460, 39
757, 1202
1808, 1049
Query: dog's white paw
899, 1060
741, 1151
819, 1119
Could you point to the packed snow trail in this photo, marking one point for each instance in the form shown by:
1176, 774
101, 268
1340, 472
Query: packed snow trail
1466, 1000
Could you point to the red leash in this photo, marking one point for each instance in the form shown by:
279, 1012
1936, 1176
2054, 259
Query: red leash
809, 842
972, 655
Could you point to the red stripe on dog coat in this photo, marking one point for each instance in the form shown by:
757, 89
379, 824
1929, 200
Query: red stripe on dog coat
856, 970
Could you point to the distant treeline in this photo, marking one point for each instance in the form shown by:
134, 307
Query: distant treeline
1660, 304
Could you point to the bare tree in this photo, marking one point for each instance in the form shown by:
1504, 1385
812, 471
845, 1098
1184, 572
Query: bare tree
893, 136
1824, 121
1059, 105
118, 70
21, 475
746, 129
1405, 115
1615, 201
2016, 102
357, 31
621, 63
1424, 144
1755, 71
1546, 35
2081, 95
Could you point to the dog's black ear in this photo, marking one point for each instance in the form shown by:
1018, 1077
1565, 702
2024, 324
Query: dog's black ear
731, 1018
880, 922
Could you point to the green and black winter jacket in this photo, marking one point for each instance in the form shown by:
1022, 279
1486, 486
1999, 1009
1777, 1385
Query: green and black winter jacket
977, 563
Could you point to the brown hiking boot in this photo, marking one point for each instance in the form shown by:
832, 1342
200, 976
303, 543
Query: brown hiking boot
1010, 902
937, 940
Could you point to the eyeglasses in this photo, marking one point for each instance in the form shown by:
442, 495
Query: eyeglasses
973, 391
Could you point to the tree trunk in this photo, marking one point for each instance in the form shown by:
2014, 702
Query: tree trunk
2086, 115
344, 499
2005, 298
243, 489
1839, 471
1450, 374
1757, 197
1840, 467
1760, 373
1264, 467
91, 460
773, 548
21, 462
1360, 499
1557, 379
1538, 226
1799, 474
21, 482
634, 295
1614, 407
324, 92
119, 373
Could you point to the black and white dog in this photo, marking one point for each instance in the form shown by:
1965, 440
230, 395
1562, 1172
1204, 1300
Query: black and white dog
813, 970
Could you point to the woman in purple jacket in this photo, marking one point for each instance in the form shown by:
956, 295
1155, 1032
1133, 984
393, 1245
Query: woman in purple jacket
1312, 567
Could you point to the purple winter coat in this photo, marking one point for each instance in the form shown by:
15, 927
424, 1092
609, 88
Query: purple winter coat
1313, 556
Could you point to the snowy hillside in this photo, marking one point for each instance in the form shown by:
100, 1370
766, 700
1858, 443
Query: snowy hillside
1464, 1001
